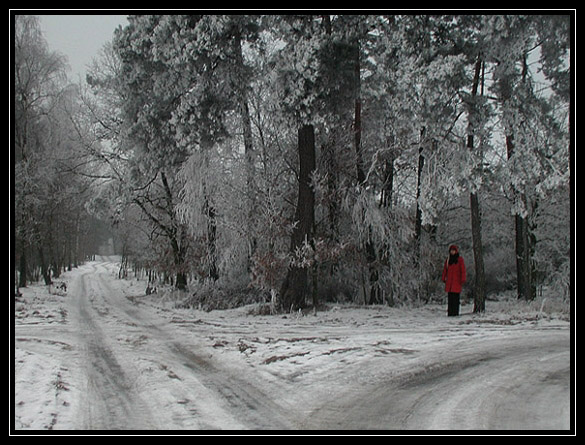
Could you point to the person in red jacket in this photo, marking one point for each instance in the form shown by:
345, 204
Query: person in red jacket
453, 277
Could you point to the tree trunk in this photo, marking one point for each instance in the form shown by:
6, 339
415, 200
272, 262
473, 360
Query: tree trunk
22, 268
522, 244
418, 221
523, 235
374, 288
211, 239
244, 110
479, 284
388, 184
44, 269
173, 232
386, 202
357, 122
295, 288
179, 260
418, 264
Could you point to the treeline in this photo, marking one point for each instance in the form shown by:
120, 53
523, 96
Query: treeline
336, 156
52, 230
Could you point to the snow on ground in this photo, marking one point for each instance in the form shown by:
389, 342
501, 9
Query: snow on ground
105, 356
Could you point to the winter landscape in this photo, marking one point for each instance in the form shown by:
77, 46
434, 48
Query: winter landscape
105, 356
294, 223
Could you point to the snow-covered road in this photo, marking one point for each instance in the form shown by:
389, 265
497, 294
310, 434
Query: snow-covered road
110, 399
513, 386
106, 357
122, 379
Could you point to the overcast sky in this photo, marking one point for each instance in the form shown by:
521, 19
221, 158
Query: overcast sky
79, 37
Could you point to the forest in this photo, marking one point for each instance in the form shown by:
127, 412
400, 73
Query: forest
301, 159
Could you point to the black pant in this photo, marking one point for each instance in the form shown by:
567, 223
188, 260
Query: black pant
452, 304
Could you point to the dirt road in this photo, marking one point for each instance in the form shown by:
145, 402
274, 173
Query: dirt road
131, 365
518, 385
109, 399
119, 396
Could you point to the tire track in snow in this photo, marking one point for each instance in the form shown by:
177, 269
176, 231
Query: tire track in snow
249, 406
109, 401
519, 384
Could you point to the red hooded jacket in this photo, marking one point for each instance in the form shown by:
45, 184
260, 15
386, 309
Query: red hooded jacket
454, 274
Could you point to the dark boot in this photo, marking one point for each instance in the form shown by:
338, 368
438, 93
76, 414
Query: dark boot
452, 304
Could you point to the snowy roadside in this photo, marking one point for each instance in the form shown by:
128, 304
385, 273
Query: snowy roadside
290, 365
317, 360
44, 358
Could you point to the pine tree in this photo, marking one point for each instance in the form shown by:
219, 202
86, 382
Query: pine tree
282, 150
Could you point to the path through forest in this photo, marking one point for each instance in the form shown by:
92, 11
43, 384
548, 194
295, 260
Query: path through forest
115, 359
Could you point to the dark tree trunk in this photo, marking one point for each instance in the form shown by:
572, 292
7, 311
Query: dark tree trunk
173, 232
387, 186
374, 288
295, 286
479, 284
240, 85
386, 202
179, 260
44, 269
524, 237
418, 221
211, 240
22, 268
210, 215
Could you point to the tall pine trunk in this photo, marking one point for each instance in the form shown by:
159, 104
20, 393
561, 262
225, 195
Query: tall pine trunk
295, 289
44, 269
386, 202
22, 267
523, 244
418, 219
209, 211
173, 233
210, 215
374, 288
479, 284
240, 86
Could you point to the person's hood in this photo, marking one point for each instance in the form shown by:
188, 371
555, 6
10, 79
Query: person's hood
453, 246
